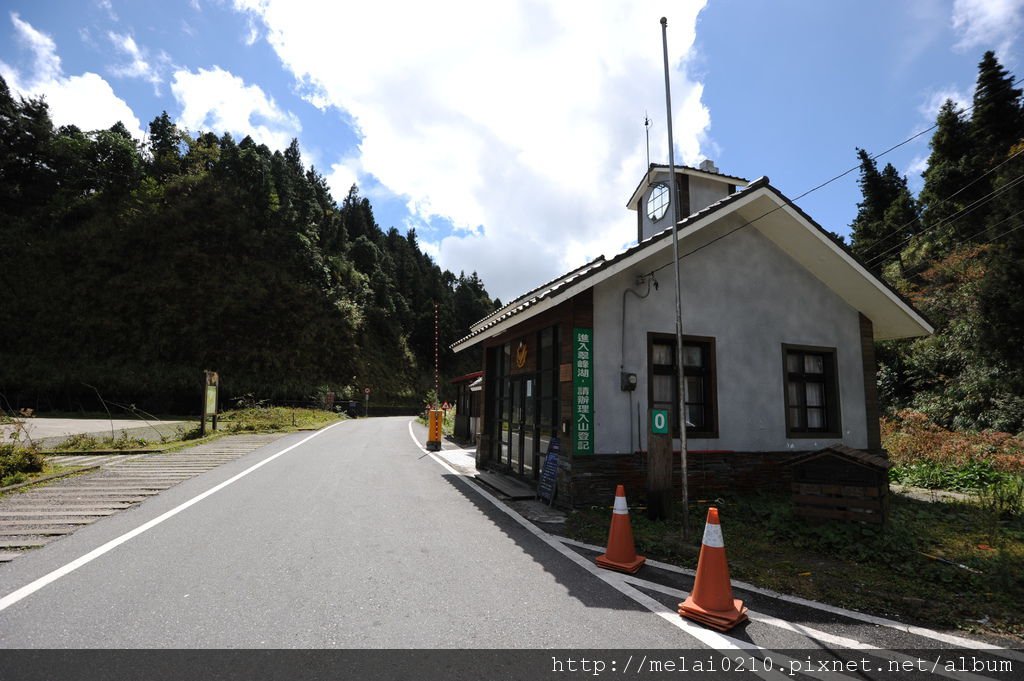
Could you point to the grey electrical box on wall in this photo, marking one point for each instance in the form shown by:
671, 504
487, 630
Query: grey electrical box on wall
627, 381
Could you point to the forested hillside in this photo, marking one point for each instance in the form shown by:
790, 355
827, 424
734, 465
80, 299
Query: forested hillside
957, 252
128, 268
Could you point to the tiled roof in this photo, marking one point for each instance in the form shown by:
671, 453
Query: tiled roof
556, 286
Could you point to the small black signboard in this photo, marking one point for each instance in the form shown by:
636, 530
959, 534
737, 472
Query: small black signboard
549, 474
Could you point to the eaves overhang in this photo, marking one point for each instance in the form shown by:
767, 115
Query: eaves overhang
758, 205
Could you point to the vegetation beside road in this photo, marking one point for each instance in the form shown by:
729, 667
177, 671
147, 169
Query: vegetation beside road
973, 554
21, 459
971, 548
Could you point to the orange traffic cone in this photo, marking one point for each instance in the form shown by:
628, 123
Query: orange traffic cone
711, 602
621, 553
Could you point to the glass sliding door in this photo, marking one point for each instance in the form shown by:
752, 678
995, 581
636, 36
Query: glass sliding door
516, 425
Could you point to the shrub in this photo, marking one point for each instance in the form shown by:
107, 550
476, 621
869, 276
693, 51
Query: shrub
911, 439
16, 461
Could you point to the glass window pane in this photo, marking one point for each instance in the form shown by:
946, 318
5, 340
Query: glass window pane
693, 356
528, 418
546, 411
662, 388
814, 364
662, 354
815, 394
793, 363
693, 387
795, 420
694, 416
506, 436
528, 453
815, 418
793, 392
516, 450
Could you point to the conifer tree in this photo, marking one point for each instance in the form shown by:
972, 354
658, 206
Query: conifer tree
886, 215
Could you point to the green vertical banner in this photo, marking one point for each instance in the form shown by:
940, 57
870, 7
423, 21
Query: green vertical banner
583, 390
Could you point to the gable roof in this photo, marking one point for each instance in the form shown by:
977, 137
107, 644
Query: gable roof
763, 207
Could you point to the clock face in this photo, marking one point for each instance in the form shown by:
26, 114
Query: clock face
657, 202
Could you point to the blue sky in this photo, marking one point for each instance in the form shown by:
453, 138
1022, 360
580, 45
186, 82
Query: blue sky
510, 137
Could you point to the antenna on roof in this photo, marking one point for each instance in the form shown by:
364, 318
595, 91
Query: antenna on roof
647, 132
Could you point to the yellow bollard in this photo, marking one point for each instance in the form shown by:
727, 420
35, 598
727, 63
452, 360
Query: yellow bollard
434, 430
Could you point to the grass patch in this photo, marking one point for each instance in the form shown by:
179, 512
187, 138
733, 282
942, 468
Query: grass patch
910, 569
23, 462
86, 442
274, 419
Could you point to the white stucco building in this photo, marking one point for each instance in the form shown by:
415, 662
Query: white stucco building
779, 324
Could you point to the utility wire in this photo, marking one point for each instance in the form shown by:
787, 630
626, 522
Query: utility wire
1009, 231
963, 212
900, 229
828, 182
892, 148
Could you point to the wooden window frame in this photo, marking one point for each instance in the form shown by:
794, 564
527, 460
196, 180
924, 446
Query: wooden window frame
710, 374
830, 381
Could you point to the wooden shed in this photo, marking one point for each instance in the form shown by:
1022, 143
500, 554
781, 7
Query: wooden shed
841, 483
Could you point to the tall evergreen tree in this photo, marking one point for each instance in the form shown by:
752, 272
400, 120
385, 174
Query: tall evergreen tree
997, 121
947, 178
886, 215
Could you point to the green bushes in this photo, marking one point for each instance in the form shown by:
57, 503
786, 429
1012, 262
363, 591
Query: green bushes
17, 462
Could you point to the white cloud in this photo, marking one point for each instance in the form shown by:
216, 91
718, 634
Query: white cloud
46, 65
219, 101
342, 176
109, 7
85, 100
988, 24
929, 108
524, 117
139, 66
914, 171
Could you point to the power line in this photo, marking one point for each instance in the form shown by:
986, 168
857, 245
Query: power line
966, 210
1009, 231
892, 148
840, 176
917, 218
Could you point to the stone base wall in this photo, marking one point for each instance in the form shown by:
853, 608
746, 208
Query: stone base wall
711, 474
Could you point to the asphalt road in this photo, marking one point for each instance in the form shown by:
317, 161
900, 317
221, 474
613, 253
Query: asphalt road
356, 538
353, 539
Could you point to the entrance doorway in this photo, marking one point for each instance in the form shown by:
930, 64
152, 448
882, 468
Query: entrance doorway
519, 436
525, 406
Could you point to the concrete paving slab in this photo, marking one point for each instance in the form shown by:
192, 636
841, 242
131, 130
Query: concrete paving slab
6, 524
7, 515
22, 543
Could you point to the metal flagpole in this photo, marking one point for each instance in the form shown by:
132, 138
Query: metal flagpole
680, 387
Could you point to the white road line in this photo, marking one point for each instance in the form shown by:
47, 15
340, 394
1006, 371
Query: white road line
712, 639
29, 589
620, 584
814, 634
951, 639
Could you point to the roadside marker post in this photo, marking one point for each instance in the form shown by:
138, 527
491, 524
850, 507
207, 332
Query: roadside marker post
434, 430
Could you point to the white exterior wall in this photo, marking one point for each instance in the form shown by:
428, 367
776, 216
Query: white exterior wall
704, 192
751, 298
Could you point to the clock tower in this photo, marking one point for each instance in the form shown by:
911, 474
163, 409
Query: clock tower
695, 189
